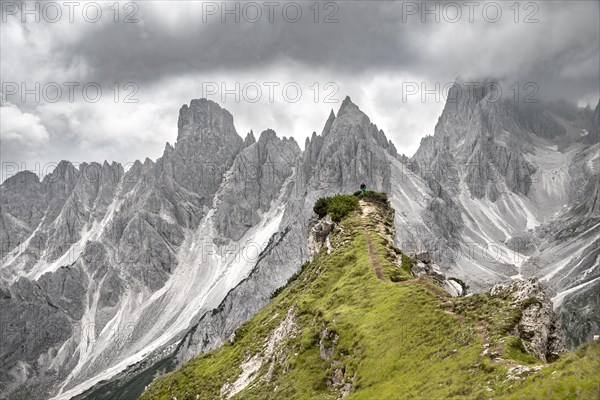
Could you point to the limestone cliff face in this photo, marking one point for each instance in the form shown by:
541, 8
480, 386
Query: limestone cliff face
484, 138
192, 170
520, 178
254, 182
207, 144
350, 151
85, 238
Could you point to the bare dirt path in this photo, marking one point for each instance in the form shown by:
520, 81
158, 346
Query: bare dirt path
368, 209
373, 256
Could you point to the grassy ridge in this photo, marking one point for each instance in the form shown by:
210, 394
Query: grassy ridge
385, 339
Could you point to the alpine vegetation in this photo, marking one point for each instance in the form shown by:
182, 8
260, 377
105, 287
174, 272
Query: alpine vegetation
344, 328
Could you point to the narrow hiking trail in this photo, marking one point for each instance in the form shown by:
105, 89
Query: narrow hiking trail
367, 211
373, 256
439, 294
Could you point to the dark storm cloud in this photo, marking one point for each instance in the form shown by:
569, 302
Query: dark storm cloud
367, 36
559, 46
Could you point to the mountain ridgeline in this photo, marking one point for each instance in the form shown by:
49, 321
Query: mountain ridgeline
111, 275
363, 320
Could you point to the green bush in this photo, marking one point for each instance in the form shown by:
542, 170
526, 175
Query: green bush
464, 286
515, 350
341, 205
337, 206
321, 206
375, 197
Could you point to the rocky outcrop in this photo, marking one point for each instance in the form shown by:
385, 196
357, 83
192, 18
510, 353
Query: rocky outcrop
539, 328
189, 174
472, 128
424, 267
318, 234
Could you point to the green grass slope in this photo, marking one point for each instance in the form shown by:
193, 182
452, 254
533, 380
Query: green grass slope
355, 323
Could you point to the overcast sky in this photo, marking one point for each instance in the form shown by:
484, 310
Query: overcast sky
163, 54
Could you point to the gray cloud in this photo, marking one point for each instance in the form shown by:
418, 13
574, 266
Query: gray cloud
368, 37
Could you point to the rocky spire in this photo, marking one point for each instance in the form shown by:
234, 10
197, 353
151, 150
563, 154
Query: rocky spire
250, 139
328, 124
347, 107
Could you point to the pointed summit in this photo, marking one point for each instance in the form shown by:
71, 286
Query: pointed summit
348, 107
328, 124
250, 139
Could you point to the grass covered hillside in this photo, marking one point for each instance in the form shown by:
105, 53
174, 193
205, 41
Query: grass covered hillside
355, 323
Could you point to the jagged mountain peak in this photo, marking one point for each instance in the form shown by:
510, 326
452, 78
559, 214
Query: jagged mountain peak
204, 119
347, 107
268, 135
64, 171
21, 178
148, 162
168, 147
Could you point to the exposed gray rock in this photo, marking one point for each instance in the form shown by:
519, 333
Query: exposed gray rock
33, 330
66, 289
422, 256
431, 270
328, 340
579, 316
250, 139
348, 153
22, 207
318, 233
255, 180
539, 328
